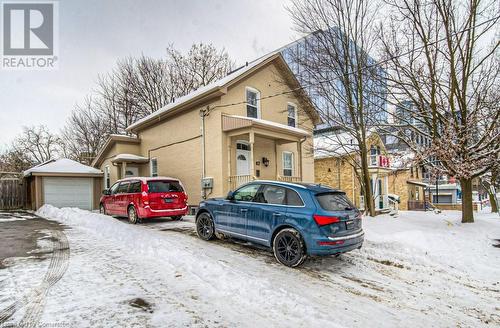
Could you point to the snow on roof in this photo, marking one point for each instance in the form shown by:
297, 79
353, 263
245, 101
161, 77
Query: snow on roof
63, 165
334, 144
129, 157
273, 124
402, 160
202, 90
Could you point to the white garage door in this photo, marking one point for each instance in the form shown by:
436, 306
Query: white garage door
68, 192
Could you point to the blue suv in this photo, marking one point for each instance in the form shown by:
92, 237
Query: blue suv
294, 219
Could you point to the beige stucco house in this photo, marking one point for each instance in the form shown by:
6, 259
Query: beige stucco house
256, 123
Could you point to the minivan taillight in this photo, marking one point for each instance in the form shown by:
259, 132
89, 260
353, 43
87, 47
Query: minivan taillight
145, 198
322, 220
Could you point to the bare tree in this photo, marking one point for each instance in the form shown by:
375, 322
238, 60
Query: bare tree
438, 61
347, 87
36, 144
84, 133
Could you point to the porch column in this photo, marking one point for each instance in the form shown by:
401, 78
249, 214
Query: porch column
251, 140
124, 169
386, 191
228, 142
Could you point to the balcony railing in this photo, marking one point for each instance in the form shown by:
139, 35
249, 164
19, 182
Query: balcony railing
289, 179
378, 161
237, 180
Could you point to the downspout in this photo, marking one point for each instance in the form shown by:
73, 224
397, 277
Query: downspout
203, 169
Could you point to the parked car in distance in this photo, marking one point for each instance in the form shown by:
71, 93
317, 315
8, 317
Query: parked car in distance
294, 219
142, 198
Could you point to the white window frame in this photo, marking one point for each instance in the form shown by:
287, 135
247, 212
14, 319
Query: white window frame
257, 92
151, 167
107, 177
283, 163
295, 118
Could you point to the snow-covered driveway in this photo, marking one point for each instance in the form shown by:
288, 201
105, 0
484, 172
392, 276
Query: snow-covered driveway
420, 269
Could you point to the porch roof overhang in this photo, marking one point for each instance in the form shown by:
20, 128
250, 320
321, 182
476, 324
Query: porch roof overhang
417, 183
233, 123
129, 158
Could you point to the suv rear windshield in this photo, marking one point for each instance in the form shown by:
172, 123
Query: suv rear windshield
334, 202
164, 186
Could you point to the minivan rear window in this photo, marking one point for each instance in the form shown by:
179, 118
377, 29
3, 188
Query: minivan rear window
164, 186
334, 202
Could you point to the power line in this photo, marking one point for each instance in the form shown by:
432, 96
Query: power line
348, 73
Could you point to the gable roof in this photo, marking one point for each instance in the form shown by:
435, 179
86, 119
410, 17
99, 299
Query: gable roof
62, 166
219, 87
112, 139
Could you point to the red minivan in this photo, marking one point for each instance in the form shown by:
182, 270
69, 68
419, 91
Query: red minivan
141, 198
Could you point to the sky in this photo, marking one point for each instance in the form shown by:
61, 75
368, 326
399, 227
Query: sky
94, 34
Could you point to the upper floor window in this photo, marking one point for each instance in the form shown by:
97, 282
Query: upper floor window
287, 164
253, 102
154, 167
292, 115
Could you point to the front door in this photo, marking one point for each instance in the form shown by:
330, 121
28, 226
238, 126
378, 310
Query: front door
242, 158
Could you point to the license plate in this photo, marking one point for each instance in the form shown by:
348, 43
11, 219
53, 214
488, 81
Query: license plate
349, 224
169, 200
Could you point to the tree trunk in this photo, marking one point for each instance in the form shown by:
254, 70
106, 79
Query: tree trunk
493, 202
365, 175
467, 208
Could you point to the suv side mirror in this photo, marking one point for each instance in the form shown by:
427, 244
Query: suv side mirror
106, 192
230, 195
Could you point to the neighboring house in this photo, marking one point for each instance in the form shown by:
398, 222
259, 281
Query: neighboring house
63, 183
333, 166
390, 179
255, 123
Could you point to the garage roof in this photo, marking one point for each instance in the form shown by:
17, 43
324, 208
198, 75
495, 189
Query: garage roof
63, 167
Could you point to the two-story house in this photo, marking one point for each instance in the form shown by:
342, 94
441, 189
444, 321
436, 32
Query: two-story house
392, 178
255, 123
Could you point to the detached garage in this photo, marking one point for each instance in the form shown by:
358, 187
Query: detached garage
63, 183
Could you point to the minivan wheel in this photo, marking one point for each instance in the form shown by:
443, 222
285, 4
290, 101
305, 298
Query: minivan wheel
102, 209
177, 218
132, 215
288, 247
205, 226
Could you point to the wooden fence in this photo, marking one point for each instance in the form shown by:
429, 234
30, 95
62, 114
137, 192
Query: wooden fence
12, 193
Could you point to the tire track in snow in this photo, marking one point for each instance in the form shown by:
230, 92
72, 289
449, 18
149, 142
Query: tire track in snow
34, 300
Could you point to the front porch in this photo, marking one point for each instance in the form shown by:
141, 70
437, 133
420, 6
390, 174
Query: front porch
379, 180
257, 149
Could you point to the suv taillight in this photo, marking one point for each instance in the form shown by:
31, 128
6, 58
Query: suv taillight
322, 220
145, 198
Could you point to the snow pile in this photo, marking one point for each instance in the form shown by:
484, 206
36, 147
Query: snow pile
441, 238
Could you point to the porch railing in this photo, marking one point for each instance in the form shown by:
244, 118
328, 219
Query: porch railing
237, 180
289, 179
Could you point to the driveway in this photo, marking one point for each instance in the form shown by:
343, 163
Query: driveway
40, 244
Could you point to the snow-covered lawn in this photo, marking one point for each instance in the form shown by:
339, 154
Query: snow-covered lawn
419, 269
